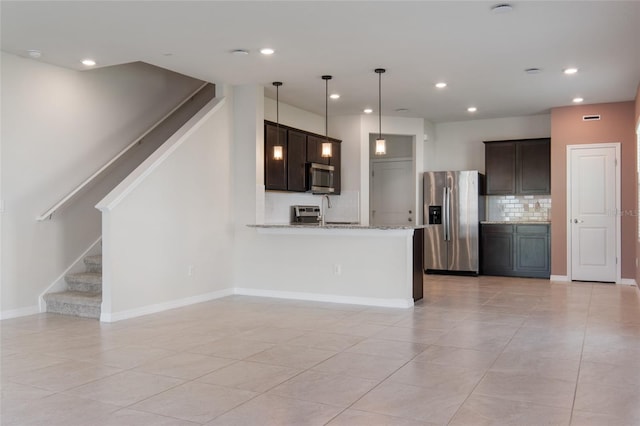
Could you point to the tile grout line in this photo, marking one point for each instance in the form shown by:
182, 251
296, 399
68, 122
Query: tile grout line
584, 338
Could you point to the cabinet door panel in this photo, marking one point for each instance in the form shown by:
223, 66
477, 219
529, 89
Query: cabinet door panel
336, 162
314, 150
297, 158
275, 171
534, 165
500, 168
532, 255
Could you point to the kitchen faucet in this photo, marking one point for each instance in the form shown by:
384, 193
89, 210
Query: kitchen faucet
322, 211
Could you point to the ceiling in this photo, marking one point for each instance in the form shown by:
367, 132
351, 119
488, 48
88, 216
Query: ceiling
481, 54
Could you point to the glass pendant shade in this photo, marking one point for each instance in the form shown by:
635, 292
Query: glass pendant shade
327, 149
278, 153
381, 147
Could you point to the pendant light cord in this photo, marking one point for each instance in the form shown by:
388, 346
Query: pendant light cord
379, 105
277, 84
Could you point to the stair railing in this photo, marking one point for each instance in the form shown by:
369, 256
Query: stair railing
69, 197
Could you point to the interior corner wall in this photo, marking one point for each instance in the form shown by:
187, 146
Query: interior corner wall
567, 128
58, 127
637, 116
459, 145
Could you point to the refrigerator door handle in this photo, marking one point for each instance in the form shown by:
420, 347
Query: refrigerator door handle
447, 214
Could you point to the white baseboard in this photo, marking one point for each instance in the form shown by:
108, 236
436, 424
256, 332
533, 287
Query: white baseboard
159, 307
314, 297
560, 278
21, 312
77, 266
627, 281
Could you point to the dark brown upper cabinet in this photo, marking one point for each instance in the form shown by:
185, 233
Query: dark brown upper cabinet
518, 167
335, 161
300, 147
297, 156
275, 171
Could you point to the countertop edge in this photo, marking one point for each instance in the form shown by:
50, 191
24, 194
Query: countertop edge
338, 227
506, 222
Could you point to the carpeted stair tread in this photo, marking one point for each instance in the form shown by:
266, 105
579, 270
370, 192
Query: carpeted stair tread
93, 263
75, 297
84, 277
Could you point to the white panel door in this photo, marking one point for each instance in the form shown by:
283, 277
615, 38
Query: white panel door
592, 214
392, 193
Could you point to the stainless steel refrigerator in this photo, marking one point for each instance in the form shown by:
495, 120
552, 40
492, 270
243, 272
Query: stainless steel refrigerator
453, 209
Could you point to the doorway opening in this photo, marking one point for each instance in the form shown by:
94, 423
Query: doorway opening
392, 185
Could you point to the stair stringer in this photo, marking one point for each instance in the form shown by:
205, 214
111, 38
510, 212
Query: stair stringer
77, 266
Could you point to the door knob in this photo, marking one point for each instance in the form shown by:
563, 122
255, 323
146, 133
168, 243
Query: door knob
410, 220
410, 212
578, 221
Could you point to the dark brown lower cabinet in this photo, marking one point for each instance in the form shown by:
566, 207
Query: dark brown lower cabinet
515, 250
418, 266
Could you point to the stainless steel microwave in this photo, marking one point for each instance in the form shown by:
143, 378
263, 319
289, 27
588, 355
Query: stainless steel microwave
320, 178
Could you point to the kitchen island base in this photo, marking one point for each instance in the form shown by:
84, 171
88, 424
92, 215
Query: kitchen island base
372, 266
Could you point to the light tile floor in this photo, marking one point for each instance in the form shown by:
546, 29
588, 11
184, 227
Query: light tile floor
475, 351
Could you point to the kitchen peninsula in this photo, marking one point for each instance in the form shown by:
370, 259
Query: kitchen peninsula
356, 264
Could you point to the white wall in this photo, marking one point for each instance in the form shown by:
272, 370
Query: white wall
58, 127
458, 145
295, 117
167, 233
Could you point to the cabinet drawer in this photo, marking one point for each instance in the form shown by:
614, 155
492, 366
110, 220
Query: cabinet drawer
532, 229
494, 228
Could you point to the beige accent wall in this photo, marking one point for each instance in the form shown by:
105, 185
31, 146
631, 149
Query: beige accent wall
567, 128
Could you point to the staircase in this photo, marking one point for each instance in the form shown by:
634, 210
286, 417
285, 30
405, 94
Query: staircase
83, 296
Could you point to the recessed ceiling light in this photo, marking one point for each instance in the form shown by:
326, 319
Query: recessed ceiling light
577, 100
441, 85
501, 8
533, 70
267, 51
368, 111
334, 96
35, 54
472, 109
570, 70
402, 109
239, 52
88, 62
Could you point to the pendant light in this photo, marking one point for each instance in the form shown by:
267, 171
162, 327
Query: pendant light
278, 149
327, 147
381, 144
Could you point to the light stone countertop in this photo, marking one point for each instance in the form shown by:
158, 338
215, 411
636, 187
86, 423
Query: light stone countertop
337, 226
515, 222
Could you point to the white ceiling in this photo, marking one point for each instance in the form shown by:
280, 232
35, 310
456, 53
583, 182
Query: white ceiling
480, 54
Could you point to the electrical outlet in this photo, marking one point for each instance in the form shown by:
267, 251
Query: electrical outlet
337, 269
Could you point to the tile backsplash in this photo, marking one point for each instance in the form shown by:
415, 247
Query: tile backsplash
533, 208
344, 207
